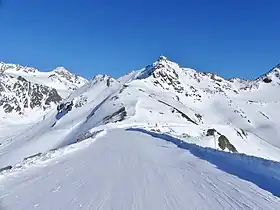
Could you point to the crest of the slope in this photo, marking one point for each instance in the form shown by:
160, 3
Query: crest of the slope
162, 64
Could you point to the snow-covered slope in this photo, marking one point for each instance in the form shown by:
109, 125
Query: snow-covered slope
237, 116
26, 95
135, 169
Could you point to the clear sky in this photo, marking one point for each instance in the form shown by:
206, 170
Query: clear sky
228, 37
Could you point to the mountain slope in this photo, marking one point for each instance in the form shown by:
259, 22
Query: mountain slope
163, 97
133, 170
166, 137
26, 95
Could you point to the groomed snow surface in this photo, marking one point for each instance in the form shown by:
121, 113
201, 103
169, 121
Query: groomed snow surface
138, 169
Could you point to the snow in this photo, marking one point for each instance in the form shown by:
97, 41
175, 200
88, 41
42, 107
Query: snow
130, 169
140, 142
60, 79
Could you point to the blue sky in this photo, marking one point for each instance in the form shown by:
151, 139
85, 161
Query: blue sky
231, 38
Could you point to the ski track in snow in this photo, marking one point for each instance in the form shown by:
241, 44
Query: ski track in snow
129, 169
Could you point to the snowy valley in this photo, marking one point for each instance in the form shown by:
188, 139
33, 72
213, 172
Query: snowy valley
162, 137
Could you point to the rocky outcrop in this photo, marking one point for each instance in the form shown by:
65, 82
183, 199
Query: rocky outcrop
18, 94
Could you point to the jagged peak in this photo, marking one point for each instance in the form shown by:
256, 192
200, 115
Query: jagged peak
101, 77
61, 69
16, 67
162, 58
162, 64
165, 62
268, 76
278, 66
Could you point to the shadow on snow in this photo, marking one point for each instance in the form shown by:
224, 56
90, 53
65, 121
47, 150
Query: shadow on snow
264, 173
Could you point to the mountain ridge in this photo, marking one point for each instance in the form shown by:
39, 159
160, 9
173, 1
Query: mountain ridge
17, 67
165, 97
25, 88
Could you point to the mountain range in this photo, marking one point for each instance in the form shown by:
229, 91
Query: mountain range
162, 94
50, 113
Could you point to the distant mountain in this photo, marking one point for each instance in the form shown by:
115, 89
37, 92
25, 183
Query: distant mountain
272, 76
25, 88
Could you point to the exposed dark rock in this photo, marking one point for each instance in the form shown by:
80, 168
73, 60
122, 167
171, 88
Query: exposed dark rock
88, 135
123, 87
199, 117
20, 94
239, 134
2, 88
108, 82
267, 80
5, 168
53, 97
82, 100
264, 115
224, 143
20, 78
116, 116
96, 108
114, 98
182, 114
244, 132
8, 108
211, 132
32, 156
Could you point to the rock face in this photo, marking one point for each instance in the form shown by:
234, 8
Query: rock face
60, 79
18, 94
16, 67
26, 88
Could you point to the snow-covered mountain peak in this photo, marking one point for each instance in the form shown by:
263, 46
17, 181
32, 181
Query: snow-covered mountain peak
23, 89
16, 67
162, 58
161, 67
101, 77
169, 76
68, 79
63, 72
275, 72
60, 78
272, 76
61, 69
